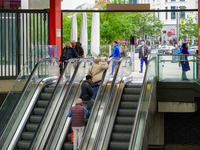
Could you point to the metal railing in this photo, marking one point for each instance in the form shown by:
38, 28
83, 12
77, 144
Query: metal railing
21, 32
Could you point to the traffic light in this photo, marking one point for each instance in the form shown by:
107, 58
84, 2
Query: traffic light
132, 40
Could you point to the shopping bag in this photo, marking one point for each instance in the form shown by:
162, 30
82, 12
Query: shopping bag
72, 137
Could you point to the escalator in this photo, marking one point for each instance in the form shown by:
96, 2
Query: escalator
122, 128
60, 136
35, 117
126, 122
63, 99
21, 114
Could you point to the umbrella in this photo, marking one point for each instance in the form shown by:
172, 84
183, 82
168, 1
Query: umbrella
95, 35
74, 29
84, 36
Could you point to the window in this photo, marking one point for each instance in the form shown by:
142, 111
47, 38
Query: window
182, 14
164, 32
182, 0
173, 14
173, 0
165, 0
166, 14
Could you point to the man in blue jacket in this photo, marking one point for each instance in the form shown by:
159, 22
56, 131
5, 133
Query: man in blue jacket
116, 53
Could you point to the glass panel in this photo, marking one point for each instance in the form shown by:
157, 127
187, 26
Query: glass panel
45, 69
137, 133
170, 68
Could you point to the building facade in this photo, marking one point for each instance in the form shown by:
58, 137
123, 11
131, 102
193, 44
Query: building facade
169, 19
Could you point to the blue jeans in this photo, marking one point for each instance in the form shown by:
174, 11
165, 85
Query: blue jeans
141, 63
114, 64
95, 91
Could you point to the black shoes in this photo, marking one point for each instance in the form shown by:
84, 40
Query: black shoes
140, 71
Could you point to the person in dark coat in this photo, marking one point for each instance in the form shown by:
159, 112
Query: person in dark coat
78, 122
184, 62
67, 53
78, 47
87, 92
143, 56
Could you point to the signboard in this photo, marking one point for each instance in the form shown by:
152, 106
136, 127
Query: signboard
173, 30
58, 32
169, 33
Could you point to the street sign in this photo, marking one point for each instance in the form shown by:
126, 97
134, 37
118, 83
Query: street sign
173, 30
169, 33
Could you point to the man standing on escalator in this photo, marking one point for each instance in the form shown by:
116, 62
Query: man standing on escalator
78, 122
87, 92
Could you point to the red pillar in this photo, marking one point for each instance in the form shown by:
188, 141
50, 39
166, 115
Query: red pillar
55, 24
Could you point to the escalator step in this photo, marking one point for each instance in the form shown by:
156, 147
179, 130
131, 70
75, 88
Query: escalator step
127, 112
132, 91
68, 146
45, 96
119, 145
38, 111
51, 86
48, 90
69, 137
27, 135
31, 127
122, 128
23, 144
116, 136
132, 105
129, 97
125, 120
35, 118
133, 85
42, 103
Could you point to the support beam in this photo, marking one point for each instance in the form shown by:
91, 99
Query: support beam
55, 24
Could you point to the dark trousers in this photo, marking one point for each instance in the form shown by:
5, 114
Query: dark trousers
114, 64
141, 63
95, 91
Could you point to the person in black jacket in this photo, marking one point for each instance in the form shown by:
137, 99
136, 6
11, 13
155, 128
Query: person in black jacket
143, 55
78, 47
67, 53
87, 92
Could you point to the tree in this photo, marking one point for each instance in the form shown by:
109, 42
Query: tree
189, 27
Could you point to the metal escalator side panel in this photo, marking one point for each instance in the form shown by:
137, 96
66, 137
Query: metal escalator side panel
24, 113
122, 69
65, 121
62, 86
146, 101
98, 106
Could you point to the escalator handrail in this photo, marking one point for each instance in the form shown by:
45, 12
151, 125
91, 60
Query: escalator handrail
25, 89
51, 98
108, 99
139, 104
97, 99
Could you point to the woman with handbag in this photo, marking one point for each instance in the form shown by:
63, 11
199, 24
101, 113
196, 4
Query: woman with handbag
67, 53
96, 71
184, 61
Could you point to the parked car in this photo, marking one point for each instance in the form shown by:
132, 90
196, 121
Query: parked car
193, 49
165, 49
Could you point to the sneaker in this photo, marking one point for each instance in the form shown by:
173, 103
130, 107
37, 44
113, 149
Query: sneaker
140, 71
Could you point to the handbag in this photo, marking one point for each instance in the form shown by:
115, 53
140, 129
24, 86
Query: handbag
72, 137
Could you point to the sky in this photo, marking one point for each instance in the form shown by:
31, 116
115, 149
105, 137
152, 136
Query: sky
72, 4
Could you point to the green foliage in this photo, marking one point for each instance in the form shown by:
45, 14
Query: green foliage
189, 26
